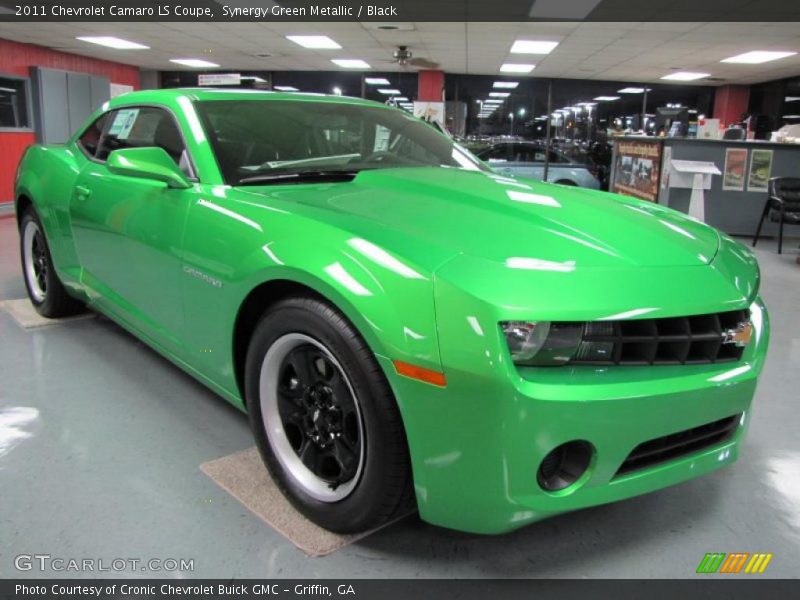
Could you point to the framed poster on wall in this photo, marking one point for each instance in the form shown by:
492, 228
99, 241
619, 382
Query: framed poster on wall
760, 170
735, 168
637, 169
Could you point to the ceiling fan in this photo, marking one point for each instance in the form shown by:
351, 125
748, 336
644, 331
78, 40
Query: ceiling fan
405, 58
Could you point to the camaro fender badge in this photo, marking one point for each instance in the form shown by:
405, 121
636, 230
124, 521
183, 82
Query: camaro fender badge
202, 276
740, 336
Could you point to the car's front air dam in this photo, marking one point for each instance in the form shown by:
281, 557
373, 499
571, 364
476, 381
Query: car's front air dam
476, 447
476, 444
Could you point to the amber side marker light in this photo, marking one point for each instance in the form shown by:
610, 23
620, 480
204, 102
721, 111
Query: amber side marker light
420, 373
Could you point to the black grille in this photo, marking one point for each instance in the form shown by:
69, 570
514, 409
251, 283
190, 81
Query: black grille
679, 444
670, 341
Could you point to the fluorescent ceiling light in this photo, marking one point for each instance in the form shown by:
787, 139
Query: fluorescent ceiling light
756, 57
193, 62
791, 98
532, 47
389, 91
376, 81
685, 76
350, 63
284, 88
505, 85
316, 42
516, 68
499, 94
574, 10
113, 42
400, 99
791, 116
492, 101
632, 90
606, 98
587, 103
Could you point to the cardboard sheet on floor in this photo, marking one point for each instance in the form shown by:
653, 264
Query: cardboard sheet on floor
244, 477
25, 315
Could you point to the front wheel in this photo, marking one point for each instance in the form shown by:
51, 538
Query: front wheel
45, 290
324, 418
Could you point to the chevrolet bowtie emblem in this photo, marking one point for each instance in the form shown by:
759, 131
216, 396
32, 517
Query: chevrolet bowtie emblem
740, 336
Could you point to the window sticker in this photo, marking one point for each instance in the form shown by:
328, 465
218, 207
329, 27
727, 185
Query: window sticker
123, 123
382, 135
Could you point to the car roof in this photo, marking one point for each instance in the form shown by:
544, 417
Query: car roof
203, 94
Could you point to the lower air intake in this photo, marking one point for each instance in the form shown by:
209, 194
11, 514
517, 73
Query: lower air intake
676, 445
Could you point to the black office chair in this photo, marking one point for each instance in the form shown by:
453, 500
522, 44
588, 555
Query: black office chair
734, 133
782, 205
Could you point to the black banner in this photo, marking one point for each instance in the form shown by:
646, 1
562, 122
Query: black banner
398, 10
385, 589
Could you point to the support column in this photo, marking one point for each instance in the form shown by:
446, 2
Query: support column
430, 85
730, 103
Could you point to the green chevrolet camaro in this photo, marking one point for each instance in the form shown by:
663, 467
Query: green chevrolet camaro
403, 326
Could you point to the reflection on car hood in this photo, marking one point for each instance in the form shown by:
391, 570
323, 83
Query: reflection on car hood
431, 214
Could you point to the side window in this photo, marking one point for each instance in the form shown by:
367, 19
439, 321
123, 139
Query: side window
90, 139
527, 153
497, 153
555, 157
144, 127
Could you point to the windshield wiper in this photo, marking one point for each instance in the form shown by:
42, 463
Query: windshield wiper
300, 177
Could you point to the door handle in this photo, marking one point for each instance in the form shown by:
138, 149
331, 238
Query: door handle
82, 192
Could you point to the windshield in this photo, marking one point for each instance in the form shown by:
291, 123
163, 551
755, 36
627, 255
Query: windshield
259, 140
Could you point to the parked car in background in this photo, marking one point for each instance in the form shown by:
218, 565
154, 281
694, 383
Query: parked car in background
526, 159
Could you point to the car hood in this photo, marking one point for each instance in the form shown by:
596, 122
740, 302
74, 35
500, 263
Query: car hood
500, 218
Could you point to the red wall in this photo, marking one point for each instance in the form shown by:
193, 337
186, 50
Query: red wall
16, 59
730, 103
12, 145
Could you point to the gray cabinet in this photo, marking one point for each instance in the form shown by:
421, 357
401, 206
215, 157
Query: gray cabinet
63, 100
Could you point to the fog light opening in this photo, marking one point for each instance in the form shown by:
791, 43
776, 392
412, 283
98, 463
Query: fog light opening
564, 465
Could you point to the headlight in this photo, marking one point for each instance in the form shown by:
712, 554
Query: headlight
542, 343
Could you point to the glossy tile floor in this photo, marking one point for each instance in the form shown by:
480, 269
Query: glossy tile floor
101, 440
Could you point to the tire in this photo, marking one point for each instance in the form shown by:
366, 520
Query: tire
324, 418
45, 290
567, 182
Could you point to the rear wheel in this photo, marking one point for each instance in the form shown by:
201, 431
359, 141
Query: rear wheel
324, 418
45, 290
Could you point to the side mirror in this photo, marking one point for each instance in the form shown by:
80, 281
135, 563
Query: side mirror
147, 163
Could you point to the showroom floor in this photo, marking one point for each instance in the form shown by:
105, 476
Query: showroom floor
101, 442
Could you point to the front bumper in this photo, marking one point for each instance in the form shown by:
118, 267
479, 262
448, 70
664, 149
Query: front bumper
476, 445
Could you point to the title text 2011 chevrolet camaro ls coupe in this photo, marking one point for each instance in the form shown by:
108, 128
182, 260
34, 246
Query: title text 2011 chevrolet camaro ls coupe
403, 326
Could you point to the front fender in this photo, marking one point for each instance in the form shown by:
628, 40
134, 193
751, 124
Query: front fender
393, 311
231, 248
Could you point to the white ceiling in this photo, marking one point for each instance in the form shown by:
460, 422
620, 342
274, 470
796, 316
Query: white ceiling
635, 52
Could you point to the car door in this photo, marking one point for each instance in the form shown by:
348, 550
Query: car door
527, 160
128, 231
500, 158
